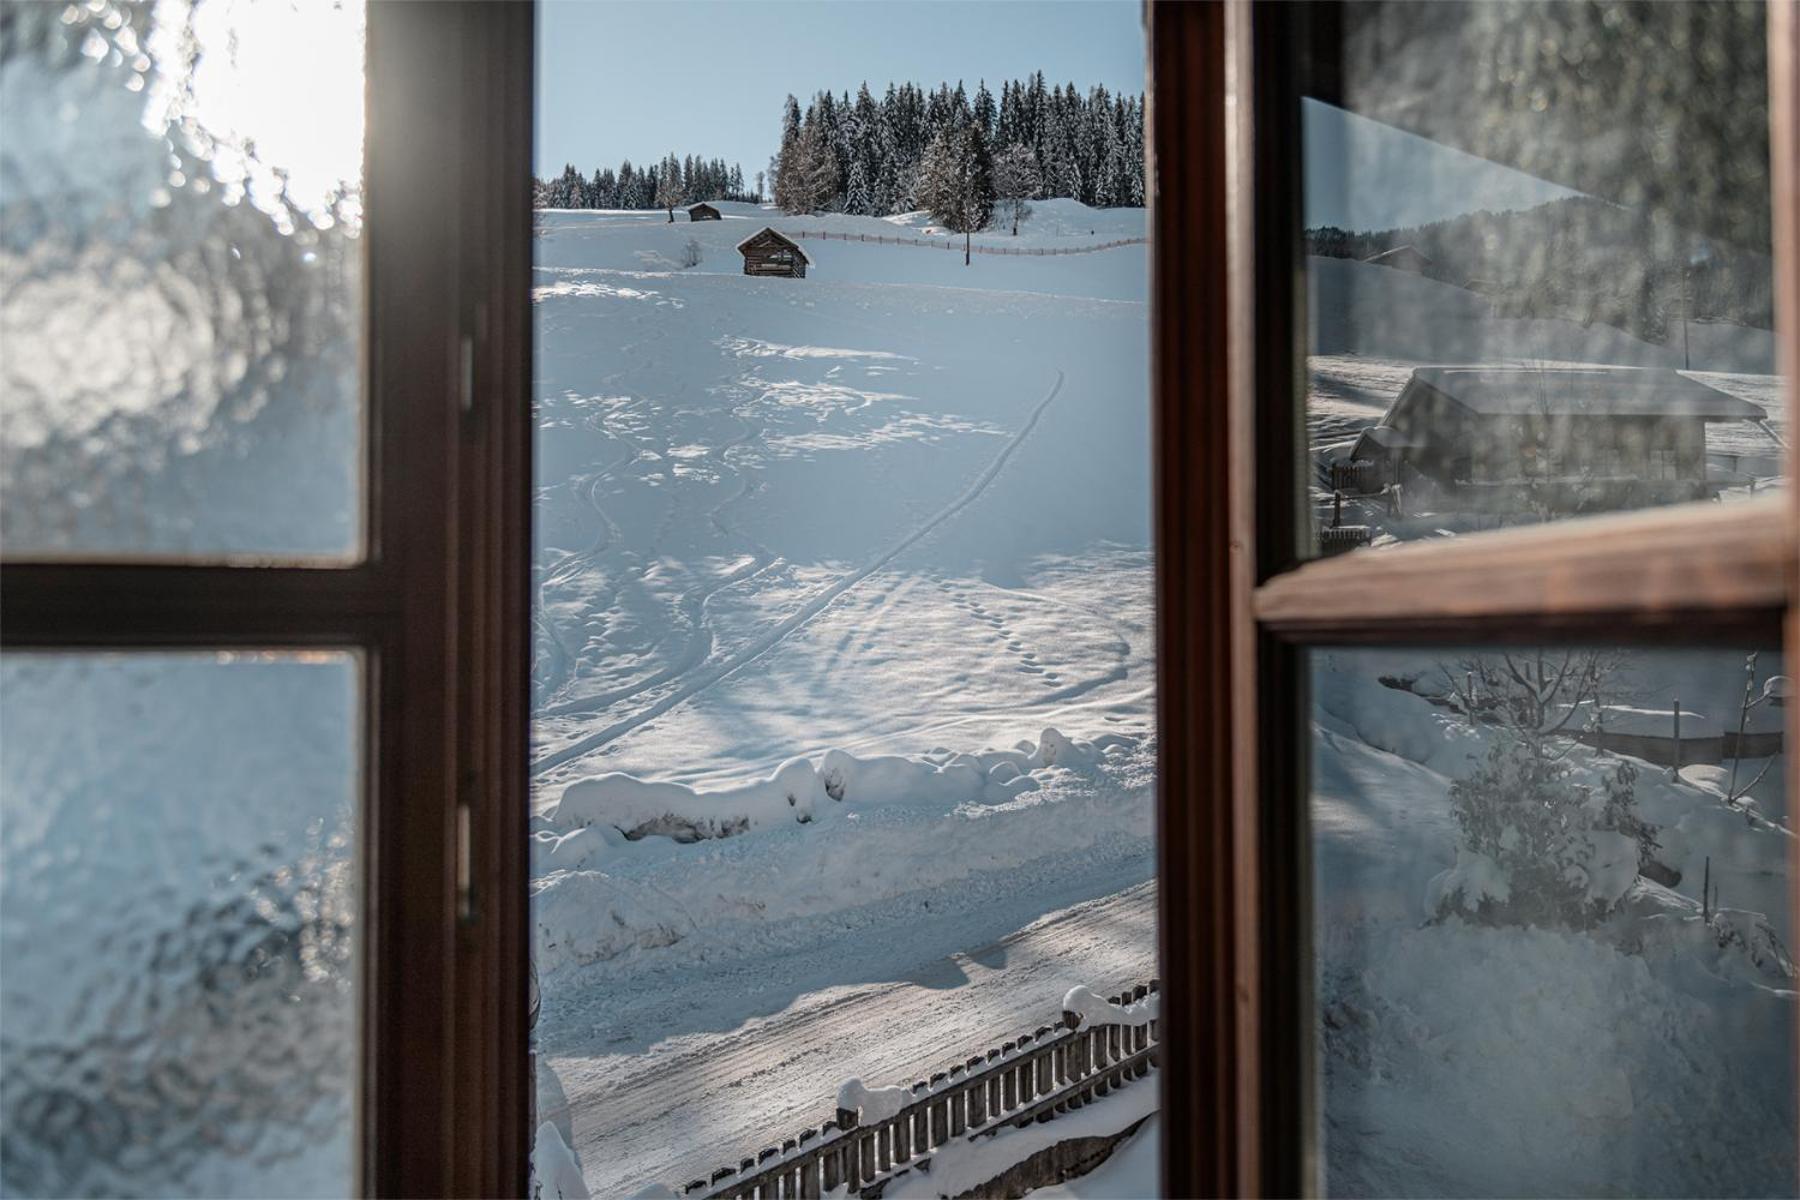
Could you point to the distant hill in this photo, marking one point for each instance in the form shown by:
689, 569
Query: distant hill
1579, 259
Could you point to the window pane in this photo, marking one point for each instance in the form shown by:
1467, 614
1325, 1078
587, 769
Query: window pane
1553, 905
1537, 249
180, 278
178, 924
844, 754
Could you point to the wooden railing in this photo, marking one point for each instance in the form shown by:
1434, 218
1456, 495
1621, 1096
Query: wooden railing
954, 244
1046, 1072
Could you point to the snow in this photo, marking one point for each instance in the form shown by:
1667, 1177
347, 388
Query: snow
1134, 1172
1651, 1054
961, 1166
843, 655
554, 1175
872, 1104
1096, 1010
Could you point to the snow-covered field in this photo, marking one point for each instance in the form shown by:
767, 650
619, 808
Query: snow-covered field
844, 659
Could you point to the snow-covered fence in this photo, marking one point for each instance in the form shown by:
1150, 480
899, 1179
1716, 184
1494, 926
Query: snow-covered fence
881, 1134
956, 246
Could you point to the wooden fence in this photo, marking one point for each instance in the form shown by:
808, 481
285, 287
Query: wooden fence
1049, 1071
952, 244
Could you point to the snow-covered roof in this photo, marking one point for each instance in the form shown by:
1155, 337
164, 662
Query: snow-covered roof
770, 231
1579, 391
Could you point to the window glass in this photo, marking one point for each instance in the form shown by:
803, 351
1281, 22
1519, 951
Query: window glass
178, 924
1553, 901
1538, 275
180, 279
844, 753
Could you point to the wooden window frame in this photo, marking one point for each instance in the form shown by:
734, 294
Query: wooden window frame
439, 609
1236, 613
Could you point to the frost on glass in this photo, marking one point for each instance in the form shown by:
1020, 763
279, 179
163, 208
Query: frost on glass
1553, 922
1538, 274
178, 1004
179, 278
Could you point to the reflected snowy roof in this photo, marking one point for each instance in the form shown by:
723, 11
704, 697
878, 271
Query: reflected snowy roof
1581, 391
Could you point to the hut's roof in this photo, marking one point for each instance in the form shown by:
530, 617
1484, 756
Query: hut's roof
702, 204
766, 233
1579, 391
1399, 255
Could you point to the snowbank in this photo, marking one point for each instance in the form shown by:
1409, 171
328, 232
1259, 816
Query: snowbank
798, 791
627, 868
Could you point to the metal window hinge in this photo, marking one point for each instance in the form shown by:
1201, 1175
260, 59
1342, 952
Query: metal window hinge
468, 373
465, 864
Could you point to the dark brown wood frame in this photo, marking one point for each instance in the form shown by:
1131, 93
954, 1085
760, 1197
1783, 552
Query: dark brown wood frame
1236, 611
439, 611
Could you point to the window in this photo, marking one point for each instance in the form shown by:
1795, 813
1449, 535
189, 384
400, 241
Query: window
263, 598
1393, 977
844, 755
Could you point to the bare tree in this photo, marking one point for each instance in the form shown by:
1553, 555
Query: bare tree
669, 189
1015, 182
1540, 693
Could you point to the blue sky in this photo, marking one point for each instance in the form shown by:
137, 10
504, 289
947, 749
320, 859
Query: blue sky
640, 78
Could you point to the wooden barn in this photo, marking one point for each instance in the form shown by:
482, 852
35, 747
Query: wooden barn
768, 253
1569, 439
703, 212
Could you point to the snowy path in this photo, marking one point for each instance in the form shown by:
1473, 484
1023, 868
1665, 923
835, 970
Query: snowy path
687, 1102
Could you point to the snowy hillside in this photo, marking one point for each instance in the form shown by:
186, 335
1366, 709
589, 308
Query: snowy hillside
843, 645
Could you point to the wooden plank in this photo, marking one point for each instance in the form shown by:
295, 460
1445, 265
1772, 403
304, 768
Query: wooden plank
1650, 570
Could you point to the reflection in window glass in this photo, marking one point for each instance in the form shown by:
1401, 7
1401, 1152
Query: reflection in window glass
1538, 272
178, 932
1552, 922
844, 749
180, 279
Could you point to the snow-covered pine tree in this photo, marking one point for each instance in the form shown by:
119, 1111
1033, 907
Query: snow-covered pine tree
788, 157
1015, 182
956, 182
986, 113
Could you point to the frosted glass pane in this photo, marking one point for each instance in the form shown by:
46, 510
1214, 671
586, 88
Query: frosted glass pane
1553, 922
1538, 267
180, 201
178, 924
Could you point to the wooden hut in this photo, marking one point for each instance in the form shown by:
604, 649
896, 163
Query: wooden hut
703, 212
768, 253
1574, 438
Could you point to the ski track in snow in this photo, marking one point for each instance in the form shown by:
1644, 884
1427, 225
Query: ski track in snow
760, 646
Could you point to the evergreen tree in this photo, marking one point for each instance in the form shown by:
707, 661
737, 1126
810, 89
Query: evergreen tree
788, 156
1015, 182
985, 113
956, 182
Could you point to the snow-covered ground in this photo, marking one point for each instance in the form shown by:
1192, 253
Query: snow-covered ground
1652, 1054
844, 660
